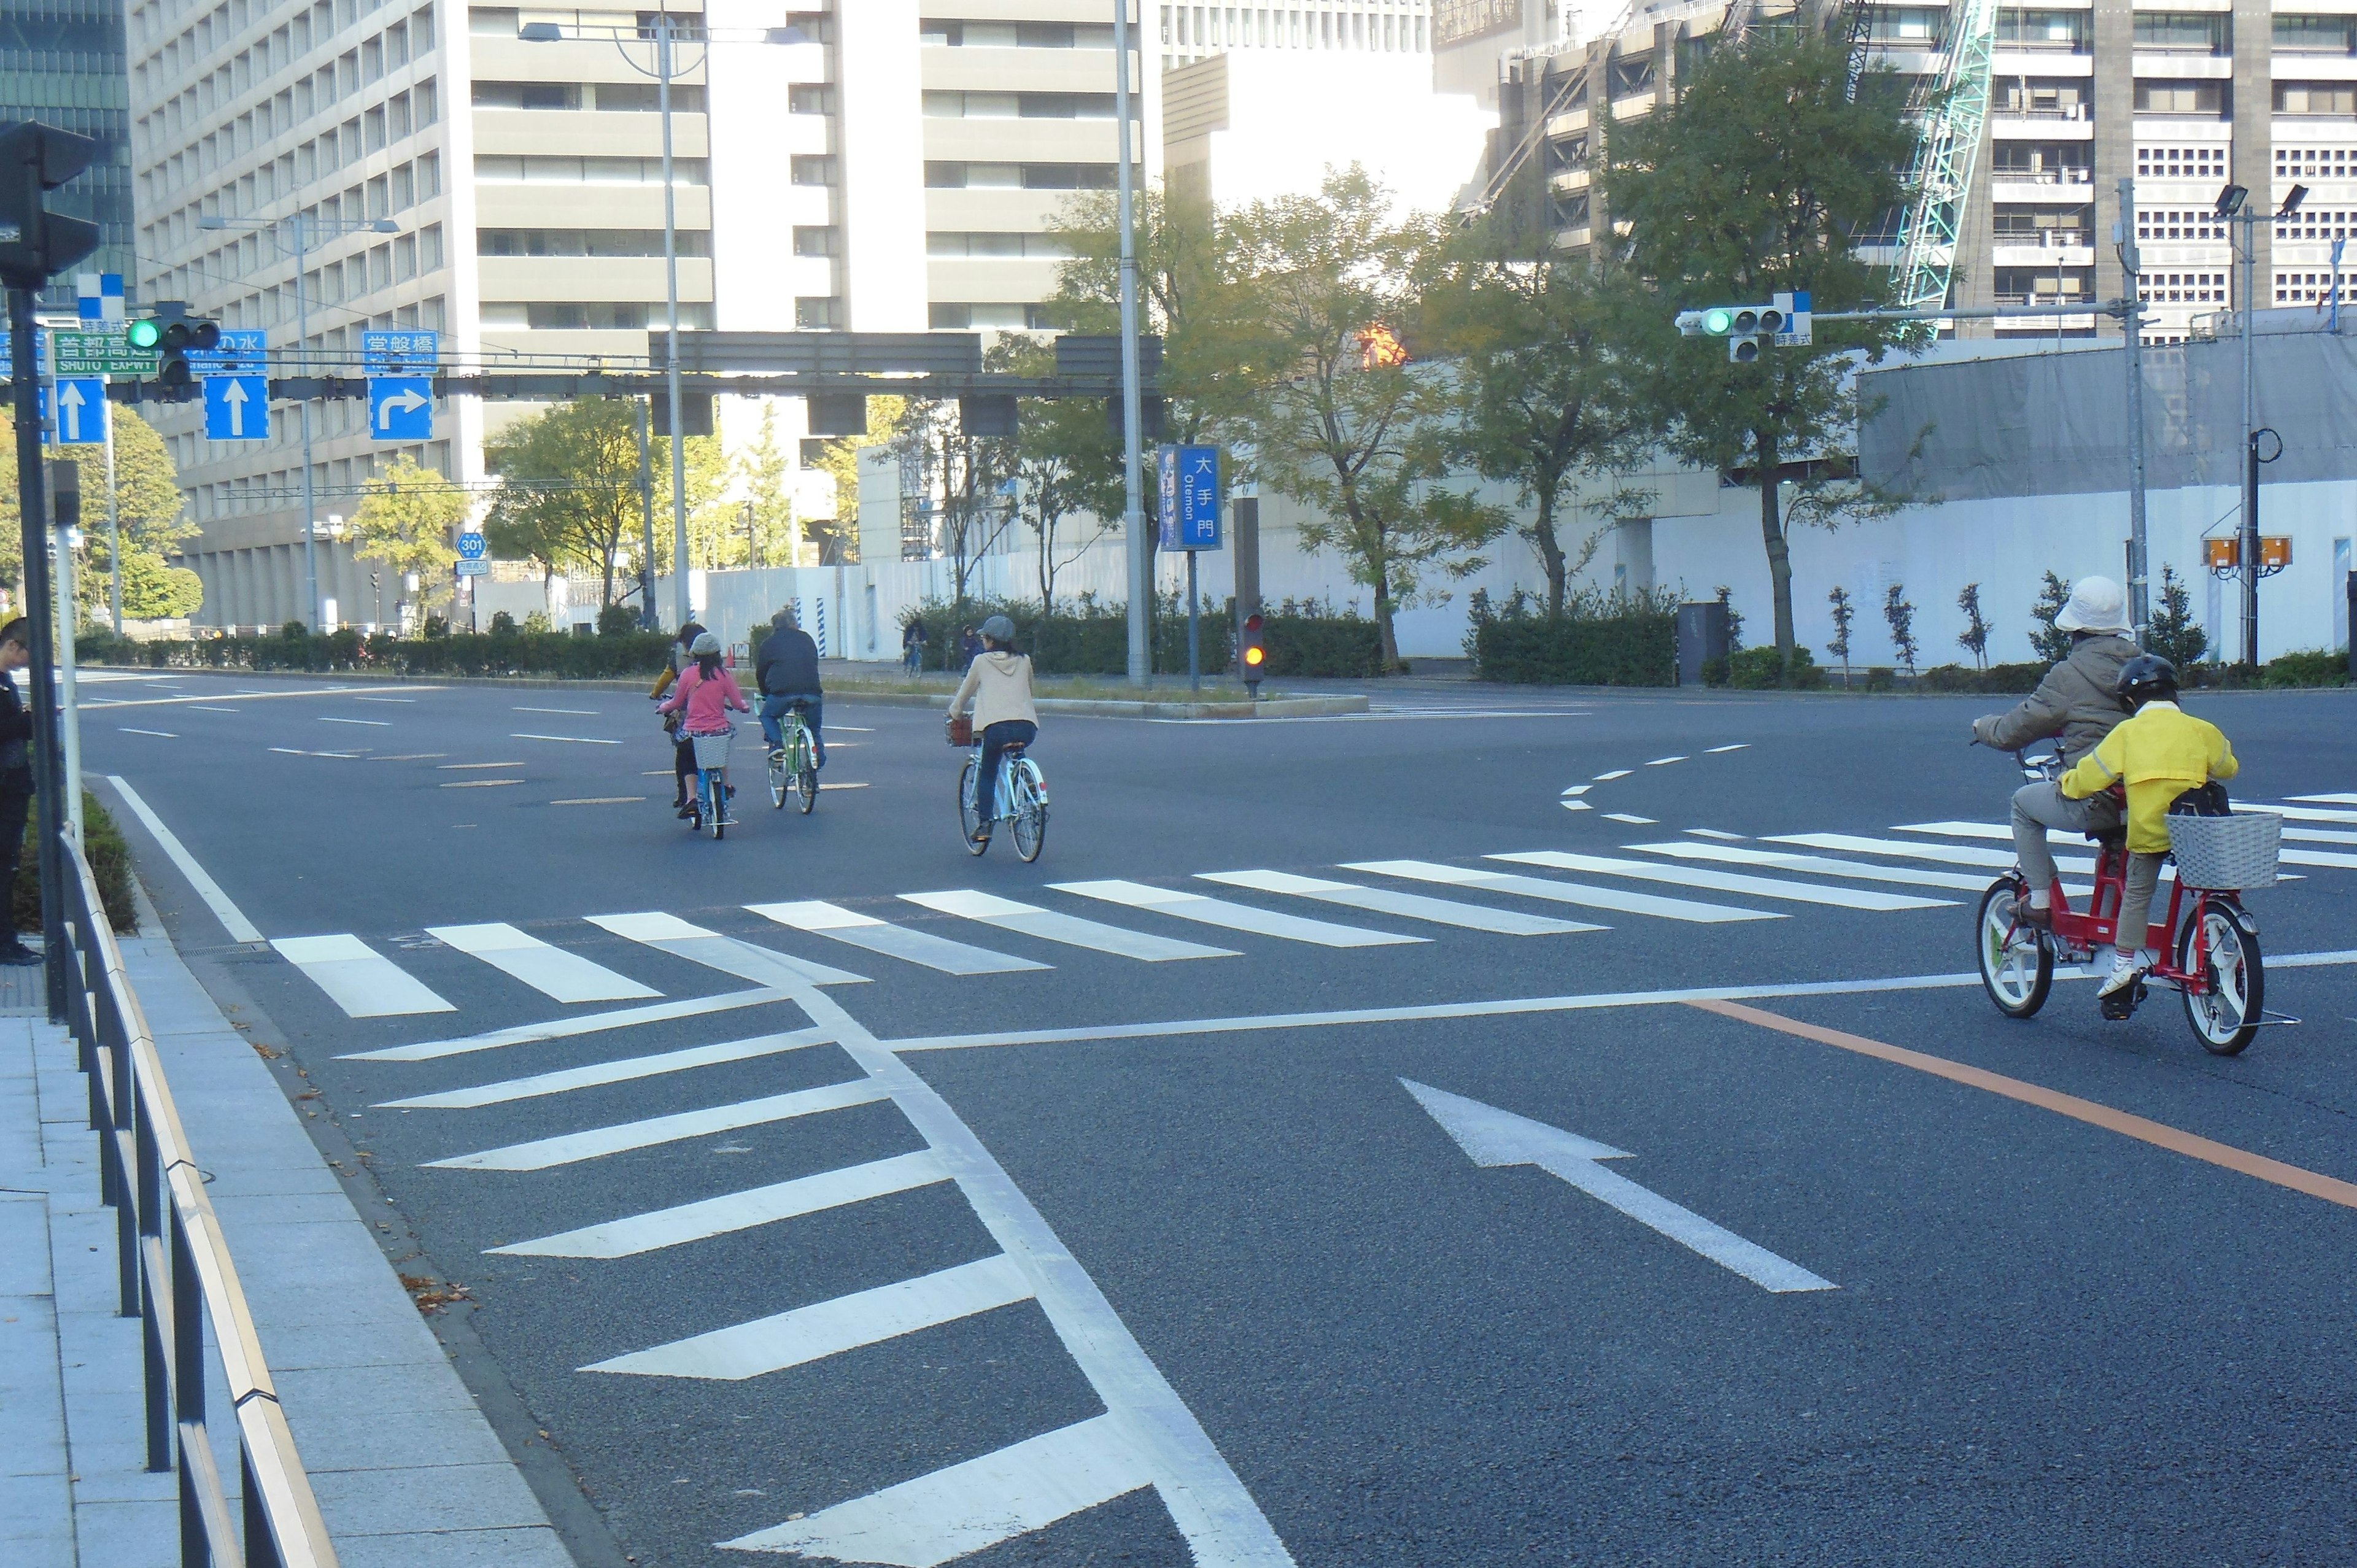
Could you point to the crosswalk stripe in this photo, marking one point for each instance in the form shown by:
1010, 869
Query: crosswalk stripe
551, 971
830, 1328
359, 978
966, 1508
2339, 799
1414, 906
843, 925
1825, 865
1991, 831
565, 1028
571, 1147
1726, 881
766, 966
2311, 815
1234, 916
1953, 855
1579, 892
737, 1211
622, 1070
1052, 926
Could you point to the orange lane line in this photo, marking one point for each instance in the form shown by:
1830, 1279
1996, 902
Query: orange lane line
2298, 1180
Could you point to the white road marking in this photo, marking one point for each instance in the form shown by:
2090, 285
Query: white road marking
1574, 805
1413, 906
1824, 865
1663, 762
1954, 854
712, 1217
552, 971
221, 696
765, 966
1230, 915
1050, 926
1991, 831
466, 766
1491, 1138
2306, 813
1616, 773
573, 712
624, 1069
1716, 833
373, 723
196, 709
565, 1028
358, 979
1626, 817
843, 925
478, 783
830, 1328
384, 699
1739, 746
158, 734
1579, 789
1579, 892
966, 1508
1726, 881
339, 756
572, 739
606, 800
569, 1148
1509, 1007
231, 917
2341, 800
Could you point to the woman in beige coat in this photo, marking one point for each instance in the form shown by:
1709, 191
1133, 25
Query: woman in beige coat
998, 692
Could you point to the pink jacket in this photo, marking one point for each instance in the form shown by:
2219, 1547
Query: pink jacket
708, 702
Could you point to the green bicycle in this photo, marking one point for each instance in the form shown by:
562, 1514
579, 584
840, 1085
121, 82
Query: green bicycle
793, 766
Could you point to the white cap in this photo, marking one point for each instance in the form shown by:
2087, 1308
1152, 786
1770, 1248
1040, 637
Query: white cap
2097, 604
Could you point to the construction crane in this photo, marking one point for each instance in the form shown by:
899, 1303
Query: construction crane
1946, 151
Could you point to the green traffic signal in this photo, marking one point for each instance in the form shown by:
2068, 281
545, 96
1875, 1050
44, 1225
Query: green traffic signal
146, 333
1717, 322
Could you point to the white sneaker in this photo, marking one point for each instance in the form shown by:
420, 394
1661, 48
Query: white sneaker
2125, 970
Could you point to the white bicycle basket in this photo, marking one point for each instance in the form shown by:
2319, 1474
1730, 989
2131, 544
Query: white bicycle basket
711, 750
2226, 853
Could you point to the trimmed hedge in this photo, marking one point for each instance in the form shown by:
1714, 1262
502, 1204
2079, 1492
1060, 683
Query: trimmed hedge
1090, 638
110, 866
1598, 641
557, 654
2001, 678
1762, 670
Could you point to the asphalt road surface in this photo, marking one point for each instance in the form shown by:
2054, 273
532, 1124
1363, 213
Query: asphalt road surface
1504, 1127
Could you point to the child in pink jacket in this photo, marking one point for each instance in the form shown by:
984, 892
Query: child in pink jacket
706, 693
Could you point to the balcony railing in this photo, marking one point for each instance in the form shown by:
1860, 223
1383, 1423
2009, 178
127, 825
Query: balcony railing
2068, 111
2048, 238
2067, 174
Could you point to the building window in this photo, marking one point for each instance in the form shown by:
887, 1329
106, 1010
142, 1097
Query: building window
588, 243
2184, 32
527, 95
816, 312
2044, 285
811, 98
2042, 163
2314, 226
2064, 30
2041, 98
810, 27
2335, 98
2042, 226
2316, 163
812, 168
2207, 99
822, 239
510, 171
2316, 34
2310, 288
2179, 225
2200, 161
597, 315
2182, 288
645, 98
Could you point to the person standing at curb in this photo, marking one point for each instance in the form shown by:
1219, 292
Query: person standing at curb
913, 647
15, 781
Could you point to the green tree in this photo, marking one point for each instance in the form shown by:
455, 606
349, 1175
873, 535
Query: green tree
2175, 635
1754, 181
152, 590
1539, 397
569, 487
149, 511
838, 538
1339, 420
408, 518
1974, 638
768, 487
1901, 615
2054, 645
1844, 614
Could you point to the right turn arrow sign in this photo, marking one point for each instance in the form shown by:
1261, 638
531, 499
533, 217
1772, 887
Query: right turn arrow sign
1491, 1137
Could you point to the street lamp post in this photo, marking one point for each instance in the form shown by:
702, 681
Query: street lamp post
1133, 409
2234, 207
2132, 330
302, 232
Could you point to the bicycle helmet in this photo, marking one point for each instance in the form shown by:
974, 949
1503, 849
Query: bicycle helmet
2146, 678
999, 629
704, 647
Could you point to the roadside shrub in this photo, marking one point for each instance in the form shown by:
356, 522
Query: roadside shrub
110, 866
1599, 640
1998, 678
1881, 678
1762, 670
504, 651
617, 620
1315, 639
1080, 637
2313, 666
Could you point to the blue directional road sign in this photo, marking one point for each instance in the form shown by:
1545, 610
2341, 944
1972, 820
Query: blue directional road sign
1190, 479
471, 546
401, 408
408, 353
243, 352
237, 408
78, 409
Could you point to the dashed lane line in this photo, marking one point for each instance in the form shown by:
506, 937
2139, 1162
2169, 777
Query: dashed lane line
568, 739
158, 734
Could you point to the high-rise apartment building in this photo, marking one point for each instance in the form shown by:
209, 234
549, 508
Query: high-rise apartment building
2185, 99
62, 62
1190, 33
873, 166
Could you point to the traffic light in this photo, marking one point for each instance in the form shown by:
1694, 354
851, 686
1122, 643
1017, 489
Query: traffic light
1252, 654
36, 244
1741, 325
172, 332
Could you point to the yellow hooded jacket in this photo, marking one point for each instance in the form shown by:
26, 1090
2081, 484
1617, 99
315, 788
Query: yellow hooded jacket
2161, 752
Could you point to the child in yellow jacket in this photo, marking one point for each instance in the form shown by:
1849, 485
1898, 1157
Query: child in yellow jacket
2159, 752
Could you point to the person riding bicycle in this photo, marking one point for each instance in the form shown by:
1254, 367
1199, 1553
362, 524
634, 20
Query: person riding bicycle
998, 692
706, 693
683, 755
785, 671
2075, 706
2159, 752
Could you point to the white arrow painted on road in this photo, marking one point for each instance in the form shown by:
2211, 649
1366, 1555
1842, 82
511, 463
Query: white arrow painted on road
407, 400
1491, 1137
233, 395
70, 412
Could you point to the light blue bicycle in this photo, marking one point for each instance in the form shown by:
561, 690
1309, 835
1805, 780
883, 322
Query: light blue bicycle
1021, 801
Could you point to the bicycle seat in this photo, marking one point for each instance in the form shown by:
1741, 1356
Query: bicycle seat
1013, 749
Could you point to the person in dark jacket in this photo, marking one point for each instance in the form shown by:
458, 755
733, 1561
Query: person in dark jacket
969, 648
913, 647
2075, 707
15, 780
786, 669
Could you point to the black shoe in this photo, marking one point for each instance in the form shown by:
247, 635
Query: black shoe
686, 812
16, 955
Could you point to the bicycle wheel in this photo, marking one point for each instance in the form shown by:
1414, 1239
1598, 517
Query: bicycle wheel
806, 783
969, 814
2226, 1015
778, 778
2016, 962
716, 804
1030, 809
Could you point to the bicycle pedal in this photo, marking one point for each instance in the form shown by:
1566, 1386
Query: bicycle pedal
2121, 1004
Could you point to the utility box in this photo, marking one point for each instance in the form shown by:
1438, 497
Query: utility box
1702, 637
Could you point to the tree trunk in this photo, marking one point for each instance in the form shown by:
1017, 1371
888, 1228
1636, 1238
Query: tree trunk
1386, 633
1542, 533
1779, 559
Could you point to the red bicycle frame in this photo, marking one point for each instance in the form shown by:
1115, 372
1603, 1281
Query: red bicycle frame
2096, 929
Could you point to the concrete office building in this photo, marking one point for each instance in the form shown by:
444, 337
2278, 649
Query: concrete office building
2186, 100
1190, 33
62, 62
878, 166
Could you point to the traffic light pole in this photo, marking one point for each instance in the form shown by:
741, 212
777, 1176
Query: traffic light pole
670, 359
34, 519
302, 410
1132, 406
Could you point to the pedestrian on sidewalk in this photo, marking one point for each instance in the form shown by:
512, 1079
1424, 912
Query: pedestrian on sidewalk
969, 647
912, 645
15, 782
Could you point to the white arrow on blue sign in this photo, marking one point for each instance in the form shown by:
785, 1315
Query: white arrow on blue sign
237, 408
80, 404
470, 547
401, 408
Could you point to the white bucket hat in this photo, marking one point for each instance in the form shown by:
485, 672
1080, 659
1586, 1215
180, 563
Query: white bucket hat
2097, 604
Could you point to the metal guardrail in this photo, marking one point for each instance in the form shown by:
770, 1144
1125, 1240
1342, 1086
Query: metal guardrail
176, 1274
